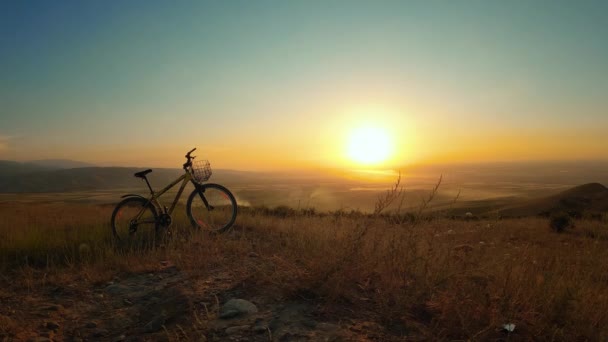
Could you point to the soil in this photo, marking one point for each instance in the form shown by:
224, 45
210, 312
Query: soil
169, 305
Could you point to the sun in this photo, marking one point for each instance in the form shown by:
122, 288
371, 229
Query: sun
369, 145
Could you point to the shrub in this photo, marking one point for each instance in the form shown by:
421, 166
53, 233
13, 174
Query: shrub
283, 211
560, 221
308, 211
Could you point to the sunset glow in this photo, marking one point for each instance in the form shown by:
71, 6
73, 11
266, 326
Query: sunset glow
369, 145
385, 169
303, 85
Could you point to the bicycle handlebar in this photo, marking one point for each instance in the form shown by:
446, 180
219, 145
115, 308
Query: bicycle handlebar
188, 154
189, 158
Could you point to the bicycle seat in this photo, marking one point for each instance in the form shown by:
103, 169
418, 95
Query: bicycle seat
142, 174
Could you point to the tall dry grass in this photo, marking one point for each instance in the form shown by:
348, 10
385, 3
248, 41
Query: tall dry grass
456, 279
444, 279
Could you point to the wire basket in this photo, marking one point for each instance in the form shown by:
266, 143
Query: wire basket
201, 171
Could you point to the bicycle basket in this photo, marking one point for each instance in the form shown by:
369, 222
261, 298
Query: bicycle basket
201, 171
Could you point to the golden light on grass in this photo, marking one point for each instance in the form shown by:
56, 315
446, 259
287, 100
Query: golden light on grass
369, 145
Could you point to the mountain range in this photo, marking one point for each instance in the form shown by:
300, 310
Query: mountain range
62, 176
49, 176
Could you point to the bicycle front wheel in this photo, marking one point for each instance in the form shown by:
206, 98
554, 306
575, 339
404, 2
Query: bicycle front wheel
211, 207
130, 230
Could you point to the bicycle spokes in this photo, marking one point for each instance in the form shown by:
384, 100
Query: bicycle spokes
212, 209
134, 222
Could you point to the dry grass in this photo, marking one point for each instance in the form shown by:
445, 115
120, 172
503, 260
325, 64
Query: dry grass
444, 279
457, 279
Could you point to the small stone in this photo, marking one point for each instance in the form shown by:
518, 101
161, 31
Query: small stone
52, 326
254, 255
155, 324
91, 325
237, 307
508, 327
237, 329
225, 314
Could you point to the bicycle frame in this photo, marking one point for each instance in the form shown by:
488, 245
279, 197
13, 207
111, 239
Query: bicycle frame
216, 216
185, 178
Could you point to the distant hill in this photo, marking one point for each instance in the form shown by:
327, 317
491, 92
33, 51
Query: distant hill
60, 163
78, 179
11, 168
590, 198
26, 177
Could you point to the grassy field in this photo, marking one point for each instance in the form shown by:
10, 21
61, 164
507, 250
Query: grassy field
439, 279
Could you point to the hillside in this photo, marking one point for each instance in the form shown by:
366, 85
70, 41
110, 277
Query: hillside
81, 179
30, 178
300, 278
10, 168
60, 163
61, 175
589, 198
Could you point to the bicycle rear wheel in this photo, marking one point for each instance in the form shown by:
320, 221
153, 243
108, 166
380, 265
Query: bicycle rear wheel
127, 230
212, 207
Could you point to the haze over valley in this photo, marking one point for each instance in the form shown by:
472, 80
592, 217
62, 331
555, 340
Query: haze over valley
479, 188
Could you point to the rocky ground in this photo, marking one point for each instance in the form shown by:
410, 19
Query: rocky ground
168, 305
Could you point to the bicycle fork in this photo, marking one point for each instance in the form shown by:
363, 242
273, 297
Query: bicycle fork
201, 191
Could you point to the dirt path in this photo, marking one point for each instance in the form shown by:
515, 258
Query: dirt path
168, 305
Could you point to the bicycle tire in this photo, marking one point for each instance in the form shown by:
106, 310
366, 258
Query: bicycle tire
121, 229
208, 217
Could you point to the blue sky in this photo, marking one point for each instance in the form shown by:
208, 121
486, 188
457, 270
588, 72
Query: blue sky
280, 83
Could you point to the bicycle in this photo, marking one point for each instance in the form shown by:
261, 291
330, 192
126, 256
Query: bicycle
210, 206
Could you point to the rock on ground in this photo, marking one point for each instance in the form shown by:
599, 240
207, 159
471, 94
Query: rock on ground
237, 307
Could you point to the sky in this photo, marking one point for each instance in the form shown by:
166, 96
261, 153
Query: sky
284, 84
